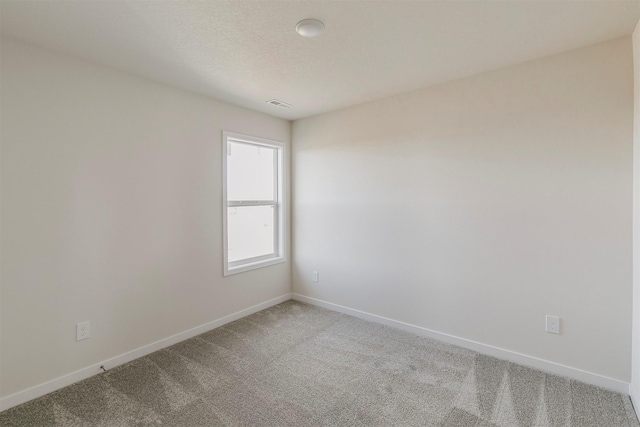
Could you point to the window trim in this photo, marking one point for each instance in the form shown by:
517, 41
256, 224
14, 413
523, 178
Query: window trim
279, 205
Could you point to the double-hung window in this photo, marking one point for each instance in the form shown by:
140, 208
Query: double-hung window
254, 208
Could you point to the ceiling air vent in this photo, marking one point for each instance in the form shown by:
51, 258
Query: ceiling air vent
279, 103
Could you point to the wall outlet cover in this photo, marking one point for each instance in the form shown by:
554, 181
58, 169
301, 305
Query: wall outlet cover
83, 331
552, 324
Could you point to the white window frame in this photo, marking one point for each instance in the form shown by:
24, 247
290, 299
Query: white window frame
279, 205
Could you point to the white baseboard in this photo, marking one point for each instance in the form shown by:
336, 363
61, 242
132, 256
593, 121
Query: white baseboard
73, 377
500, 353
635, 399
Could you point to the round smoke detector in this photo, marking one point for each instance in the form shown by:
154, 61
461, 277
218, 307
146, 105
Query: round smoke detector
310, 28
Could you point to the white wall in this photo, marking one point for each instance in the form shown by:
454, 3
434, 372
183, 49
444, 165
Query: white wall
635, 368
111, 212
476, 207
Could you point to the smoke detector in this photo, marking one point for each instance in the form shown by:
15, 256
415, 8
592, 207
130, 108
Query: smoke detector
310, 28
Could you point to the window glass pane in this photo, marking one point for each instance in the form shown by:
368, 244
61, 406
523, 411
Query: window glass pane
250, 172
250, 232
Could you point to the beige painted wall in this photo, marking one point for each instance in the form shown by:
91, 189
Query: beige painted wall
111, 212
635, 375
478, 206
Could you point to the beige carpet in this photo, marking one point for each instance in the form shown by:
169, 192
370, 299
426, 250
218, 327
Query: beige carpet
297, 365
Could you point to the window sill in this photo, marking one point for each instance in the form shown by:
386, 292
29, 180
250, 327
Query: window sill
253, 266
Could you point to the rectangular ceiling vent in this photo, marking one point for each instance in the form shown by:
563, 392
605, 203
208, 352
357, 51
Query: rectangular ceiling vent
279, 103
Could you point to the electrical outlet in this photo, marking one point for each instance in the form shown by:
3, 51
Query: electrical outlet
314, 276
83, 331
553, 324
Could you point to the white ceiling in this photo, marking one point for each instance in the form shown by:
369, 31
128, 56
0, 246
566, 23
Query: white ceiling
247, 52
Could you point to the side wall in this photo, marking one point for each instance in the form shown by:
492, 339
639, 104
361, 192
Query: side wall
476, 207
111, 213
635, 361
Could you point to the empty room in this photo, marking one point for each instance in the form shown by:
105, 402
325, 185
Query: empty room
320, 213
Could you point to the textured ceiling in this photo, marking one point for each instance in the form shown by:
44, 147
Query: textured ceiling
247, 52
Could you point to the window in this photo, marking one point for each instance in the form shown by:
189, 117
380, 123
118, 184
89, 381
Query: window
254, 208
